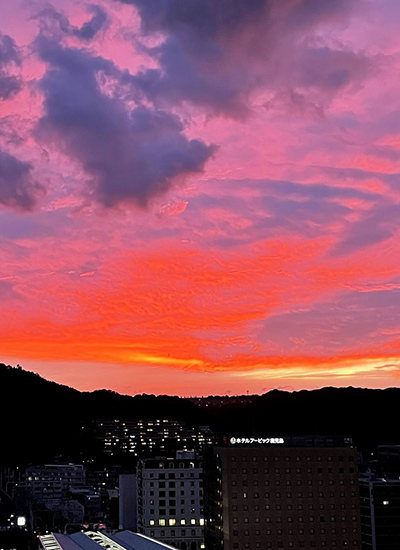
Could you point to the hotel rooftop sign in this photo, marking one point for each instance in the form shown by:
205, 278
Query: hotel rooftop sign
292, 441
256, 440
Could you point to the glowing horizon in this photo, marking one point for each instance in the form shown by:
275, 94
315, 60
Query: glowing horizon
201, 201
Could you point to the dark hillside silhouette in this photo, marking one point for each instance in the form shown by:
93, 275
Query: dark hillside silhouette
40, 420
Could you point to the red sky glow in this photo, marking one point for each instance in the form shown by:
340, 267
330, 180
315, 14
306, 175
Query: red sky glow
201, 197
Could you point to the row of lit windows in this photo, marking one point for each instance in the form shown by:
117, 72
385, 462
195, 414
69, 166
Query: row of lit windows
174, 521
172, 466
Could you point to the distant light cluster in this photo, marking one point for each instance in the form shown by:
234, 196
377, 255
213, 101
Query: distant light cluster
148, 437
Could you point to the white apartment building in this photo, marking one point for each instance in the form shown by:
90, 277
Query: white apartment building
171, 501
144, 437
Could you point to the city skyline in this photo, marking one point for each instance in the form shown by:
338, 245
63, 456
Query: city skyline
200, 197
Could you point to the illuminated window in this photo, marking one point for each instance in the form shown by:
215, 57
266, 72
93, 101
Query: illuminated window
172, 521
161, 522
152, 522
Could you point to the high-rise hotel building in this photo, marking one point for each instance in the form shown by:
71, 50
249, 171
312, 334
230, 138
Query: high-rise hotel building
297, 492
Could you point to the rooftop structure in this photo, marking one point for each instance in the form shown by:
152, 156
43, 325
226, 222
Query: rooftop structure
94, 540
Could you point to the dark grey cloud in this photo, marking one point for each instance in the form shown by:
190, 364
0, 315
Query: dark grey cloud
98, 22
54, 23
130, 155
216, 53
9, 52
203, 19
209, 18
181, 79
9, 86
9, 56
18, 190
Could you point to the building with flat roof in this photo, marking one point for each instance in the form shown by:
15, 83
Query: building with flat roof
171, 500
276, 492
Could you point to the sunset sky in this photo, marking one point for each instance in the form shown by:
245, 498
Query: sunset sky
201, 196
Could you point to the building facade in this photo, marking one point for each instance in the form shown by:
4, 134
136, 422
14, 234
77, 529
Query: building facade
282, 493
171, 500
380, 513
48, 484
